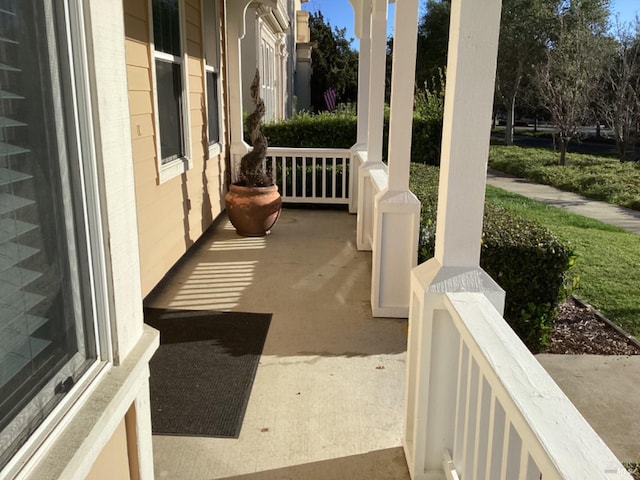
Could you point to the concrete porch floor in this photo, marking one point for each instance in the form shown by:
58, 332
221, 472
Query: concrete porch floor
328, 397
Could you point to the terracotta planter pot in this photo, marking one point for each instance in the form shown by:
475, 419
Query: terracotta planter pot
253, 211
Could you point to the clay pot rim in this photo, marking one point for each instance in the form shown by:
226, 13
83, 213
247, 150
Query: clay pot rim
235, 186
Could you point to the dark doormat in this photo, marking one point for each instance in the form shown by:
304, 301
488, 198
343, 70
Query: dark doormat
202, 373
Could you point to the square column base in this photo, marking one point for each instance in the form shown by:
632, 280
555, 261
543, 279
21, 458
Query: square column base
395, 252
372, 178
358, 156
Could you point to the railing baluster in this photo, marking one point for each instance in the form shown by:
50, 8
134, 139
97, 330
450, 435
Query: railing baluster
324, 177
461, 402
283, 174
496, 426
482, 427
314, 179
334, 173
511, 461
304, 177
344, 177
470, 424
294, 177
532, 472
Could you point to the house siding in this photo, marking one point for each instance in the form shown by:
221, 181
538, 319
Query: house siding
174, 214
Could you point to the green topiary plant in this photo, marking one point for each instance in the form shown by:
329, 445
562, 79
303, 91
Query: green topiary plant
253, 170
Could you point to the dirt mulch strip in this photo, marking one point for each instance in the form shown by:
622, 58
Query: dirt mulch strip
580, 329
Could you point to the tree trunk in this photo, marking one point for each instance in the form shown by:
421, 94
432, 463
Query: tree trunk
563, 151
511, 111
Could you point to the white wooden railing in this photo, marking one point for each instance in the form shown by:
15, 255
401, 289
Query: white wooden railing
507, 418
311, 175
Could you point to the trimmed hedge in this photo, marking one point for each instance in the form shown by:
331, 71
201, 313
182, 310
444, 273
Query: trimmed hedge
339, 130
324, 130
523, 257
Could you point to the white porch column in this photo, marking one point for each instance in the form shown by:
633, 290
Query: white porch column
397, 210
429, 421
375, 124
235, 11
362, 11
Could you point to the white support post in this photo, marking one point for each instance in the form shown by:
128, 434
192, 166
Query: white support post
473, 45
375, 124
397, 210
142, 405
362, 11
235, 27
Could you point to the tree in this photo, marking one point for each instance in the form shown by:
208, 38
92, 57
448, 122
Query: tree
525, 28
433, 42
334, 63
568, 80
619, 103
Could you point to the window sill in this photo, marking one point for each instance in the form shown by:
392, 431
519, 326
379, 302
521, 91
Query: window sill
215, 149
174, 168
76, 447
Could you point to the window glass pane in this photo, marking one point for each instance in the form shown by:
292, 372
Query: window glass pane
169, 86
166, 26
211, 32
47, 337
212, 107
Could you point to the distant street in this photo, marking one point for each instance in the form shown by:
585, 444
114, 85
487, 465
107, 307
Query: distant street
589, 147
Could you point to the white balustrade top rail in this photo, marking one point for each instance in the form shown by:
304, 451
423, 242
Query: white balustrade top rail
311, 175
512, 420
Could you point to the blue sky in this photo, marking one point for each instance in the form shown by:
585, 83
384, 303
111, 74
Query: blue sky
339, 13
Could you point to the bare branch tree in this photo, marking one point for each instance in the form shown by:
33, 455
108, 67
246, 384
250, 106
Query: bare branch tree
619, 102
568, 81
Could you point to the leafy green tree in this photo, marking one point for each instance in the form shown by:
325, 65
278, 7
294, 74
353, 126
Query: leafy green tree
334, 63
433, 42
525, 28
568, 80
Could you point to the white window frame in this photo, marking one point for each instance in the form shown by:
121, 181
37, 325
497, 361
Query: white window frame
212, 64
180, 165
268, 75
35, 448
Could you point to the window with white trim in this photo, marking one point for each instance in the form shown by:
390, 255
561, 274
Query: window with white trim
268, 74
170, 82
212, 69
48, 221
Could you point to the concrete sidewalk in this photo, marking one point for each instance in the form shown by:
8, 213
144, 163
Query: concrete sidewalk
605, 212
605, 390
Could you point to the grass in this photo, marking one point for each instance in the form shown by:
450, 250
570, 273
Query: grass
608, 258
597, 177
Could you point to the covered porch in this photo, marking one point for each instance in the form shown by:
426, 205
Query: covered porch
328, 397
328, 400
469, 399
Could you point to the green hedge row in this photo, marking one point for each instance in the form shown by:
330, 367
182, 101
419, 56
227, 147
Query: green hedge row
526, 260
330, 130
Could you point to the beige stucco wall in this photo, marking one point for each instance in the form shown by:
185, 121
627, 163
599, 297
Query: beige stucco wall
171, 215
113, 461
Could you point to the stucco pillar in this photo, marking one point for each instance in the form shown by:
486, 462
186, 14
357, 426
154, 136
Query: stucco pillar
235, 28
397, 210
429, 420
362, 10
375, 123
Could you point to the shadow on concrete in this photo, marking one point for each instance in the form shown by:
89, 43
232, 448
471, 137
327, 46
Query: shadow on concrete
308, 273
388, 464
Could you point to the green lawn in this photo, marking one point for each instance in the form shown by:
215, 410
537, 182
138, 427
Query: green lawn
600, 178
608, 263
